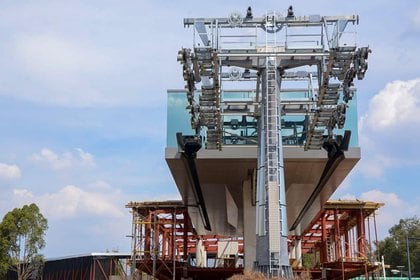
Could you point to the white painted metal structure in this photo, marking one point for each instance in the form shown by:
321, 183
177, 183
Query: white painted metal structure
259, 53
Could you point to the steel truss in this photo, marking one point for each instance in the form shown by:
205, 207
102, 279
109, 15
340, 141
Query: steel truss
261, 53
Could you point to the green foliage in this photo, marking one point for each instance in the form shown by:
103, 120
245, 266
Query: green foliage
4, 257
308, 260
21, 237
394, 247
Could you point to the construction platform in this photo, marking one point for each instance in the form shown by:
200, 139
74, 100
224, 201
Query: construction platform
342, 239
165, 245
341, 242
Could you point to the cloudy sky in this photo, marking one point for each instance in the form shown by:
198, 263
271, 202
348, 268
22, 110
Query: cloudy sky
83, 108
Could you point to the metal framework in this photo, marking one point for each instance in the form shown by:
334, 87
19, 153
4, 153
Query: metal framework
96, 266
342, 240
258, 74
156, 228
166, 246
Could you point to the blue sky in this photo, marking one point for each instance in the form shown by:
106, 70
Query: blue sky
83, 108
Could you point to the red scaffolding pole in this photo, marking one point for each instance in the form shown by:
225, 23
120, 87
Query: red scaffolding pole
338, 235
165, 243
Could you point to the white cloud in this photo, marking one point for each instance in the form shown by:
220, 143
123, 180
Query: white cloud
90, 218
391, 199
373, 166
348, 196
47, 54
67, 71
381, 162
9, 171
415, 18
75, 71
393, 210
389, 129
85, 157
22, 193
395, 105
71, 200
65, 160
99, 186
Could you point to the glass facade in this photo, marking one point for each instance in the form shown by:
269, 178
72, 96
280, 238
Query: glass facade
240, 128
178, 118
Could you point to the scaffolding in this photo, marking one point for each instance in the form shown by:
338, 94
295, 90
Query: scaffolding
166, 246
342, 240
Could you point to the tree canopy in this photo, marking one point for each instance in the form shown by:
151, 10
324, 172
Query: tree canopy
394, 247
22, 234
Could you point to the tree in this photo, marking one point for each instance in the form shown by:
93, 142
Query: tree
4, 257
22, 234
394, 247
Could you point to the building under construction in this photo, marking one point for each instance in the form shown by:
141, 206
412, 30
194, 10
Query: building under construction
340, 242
259, 138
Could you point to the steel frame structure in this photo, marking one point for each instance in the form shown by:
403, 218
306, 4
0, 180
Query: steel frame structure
166, 246
342, 239
101, 266
267, 49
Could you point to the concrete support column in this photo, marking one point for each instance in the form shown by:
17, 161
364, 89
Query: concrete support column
298, 251
201, 254
292, 251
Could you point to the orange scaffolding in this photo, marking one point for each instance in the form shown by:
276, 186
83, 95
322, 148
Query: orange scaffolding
166, 246
342, 239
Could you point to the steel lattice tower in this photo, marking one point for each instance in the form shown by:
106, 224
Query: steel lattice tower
261, 52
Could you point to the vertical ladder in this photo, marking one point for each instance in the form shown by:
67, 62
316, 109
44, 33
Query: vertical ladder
274, 204
272, 164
